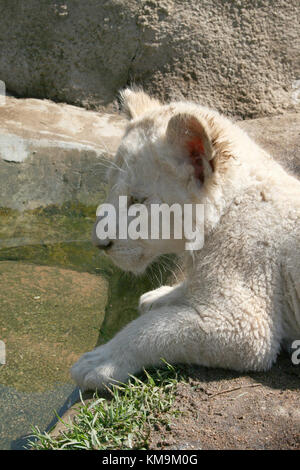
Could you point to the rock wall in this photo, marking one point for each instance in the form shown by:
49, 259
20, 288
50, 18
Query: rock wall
52, 153
239, 56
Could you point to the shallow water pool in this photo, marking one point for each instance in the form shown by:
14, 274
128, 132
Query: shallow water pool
58, 298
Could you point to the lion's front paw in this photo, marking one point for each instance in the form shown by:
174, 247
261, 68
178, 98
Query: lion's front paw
96, 370
153, 298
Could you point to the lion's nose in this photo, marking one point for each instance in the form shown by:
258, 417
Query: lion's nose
104, 244
101, 243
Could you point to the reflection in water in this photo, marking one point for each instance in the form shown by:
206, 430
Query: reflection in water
55, 291
19, 410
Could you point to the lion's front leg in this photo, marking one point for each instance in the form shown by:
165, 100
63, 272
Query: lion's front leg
179, 334
164, 295
167, 333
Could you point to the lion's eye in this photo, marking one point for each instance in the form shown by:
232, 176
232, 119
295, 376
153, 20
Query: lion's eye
136, 200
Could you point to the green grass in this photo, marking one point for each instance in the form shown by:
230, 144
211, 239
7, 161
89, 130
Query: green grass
122, 421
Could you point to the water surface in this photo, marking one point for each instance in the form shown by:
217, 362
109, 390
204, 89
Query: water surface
58, 298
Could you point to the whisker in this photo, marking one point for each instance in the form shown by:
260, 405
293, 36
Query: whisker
109, 164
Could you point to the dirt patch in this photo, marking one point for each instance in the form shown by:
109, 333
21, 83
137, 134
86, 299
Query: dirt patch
226, 410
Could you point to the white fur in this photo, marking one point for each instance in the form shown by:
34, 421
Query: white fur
240, 299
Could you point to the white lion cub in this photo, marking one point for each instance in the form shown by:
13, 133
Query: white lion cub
240, 300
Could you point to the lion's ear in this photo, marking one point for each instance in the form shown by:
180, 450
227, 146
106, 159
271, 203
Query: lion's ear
136, 102
190, 135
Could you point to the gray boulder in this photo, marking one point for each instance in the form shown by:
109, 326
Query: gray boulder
51, 153
280, 136
239, 56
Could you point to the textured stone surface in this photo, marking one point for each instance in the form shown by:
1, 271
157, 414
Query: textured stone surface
240, 56
51, 153
70, 51
280, 136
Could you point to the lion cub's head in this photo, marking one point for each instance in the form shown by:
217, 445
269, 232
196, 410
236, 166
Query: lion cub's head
172, 154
